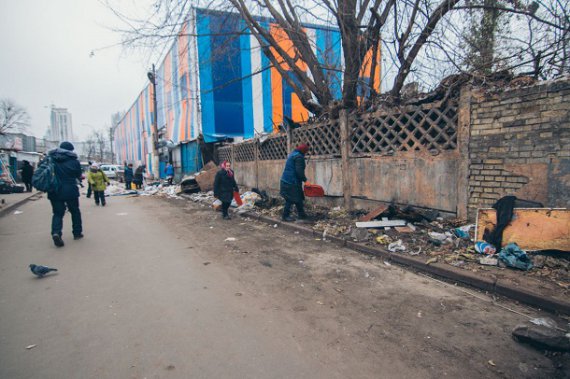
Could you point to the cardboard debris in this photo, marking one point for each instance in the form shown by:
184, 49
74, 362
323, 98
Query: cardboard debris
205, 178
374, 213
380, 224
530, 228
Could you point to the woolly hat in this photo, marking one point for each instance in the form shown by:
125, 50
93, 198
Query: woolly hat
303, 148
66, 145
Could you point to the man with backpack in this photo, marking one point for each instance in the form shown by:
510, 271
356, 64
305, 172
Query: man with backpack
62, 189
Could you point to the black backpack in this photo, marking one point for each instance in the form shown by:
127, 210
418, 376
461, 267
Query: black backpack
44, 178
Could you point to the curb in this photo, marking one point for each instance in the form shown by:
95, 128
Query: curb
9, 208
498, 287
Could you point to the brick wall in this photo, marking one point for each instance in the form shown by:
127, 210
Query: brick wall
520, 144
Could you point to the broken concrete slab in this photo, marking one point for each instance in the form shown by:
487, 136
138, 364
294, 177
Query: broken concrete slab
530, 228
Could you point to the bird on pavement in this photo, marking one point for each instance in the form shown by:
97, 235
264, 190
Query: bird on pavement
40, 271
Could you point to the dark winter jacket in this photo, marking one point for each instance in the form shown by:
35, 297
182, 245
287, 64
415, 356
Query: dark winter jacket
224, 186
138, 177
128, 174
27, 172
293, 178
68, 171
294, 171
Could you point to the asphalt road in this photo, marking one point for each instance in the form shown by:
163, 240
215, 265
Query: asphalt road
154, 290
128, 301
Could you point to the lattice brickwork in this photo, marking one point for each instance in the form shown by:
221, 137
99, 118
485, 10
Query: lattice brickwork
225, 154
324, 139
414, 129
244, 152
273, 148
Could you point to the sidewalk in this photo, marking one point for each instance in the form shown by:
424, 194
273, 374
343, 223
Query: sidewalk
12, 201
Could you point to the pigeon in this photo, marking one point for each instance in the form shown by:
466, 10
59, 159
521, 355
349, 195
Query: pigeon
40, 271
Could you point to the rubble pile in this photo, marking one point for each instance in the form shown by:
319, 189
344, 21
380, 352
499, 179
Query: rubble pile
425, 234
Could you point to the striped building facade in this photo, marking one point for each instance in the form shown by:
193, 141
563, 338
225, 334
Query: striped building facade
216, 82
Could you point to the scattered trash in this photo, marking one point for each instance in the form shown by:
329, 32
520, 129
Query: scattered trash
490, 361
207, 263
29, 347
230, 239
238, 294
489, 261
359, 234
483, 247
463, 231
387, 263
320, 303
417, 252
383, 239
275, 225
266, 263
513, 256
442, 237
18, 212
122, 214
431, 260
396, 246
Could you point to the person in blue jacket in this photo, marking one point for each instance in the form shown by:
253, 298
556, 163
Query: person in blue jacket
129, 174
292, 183
169, 171
68, 172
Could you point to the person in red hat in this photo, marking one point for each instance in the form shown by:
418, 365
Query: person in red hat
292, 183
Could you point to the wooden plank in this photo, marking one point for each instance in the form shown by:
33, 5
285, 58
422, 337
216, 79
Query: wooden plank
373, 213
380, 224
531, 228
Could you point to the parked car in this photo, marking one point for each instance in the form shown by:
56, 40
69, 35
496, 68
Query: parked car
114, 171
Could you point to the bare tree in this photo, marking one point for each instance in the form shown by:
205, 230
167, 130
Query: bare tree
422, 40
91, 148
12, 117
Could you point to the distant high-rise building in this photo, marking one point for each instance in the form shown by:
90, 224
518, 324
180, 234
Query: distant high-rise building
60, 128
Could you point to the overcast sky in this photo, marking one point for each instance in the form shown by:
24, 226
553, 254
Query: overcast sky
45, 59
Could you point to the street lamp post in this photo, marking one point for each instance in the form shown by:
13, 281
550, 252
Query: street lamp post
152, 77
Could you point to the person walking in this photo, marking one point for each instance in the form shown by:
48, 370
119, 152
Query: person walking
128, 176
89, 189
224, 187
99, 182
292, 183
138, 176
27, 173
169, 171
68, 172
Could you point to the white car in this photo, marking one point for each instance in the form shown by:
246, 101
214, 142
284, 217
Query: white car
112, 171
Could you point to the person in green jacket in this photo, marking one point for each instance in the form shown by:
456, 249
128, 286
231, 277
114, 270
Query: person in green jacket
99, 182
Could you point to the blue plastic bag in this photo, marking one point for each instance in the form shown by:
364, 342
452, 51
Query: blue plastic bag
513, 256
